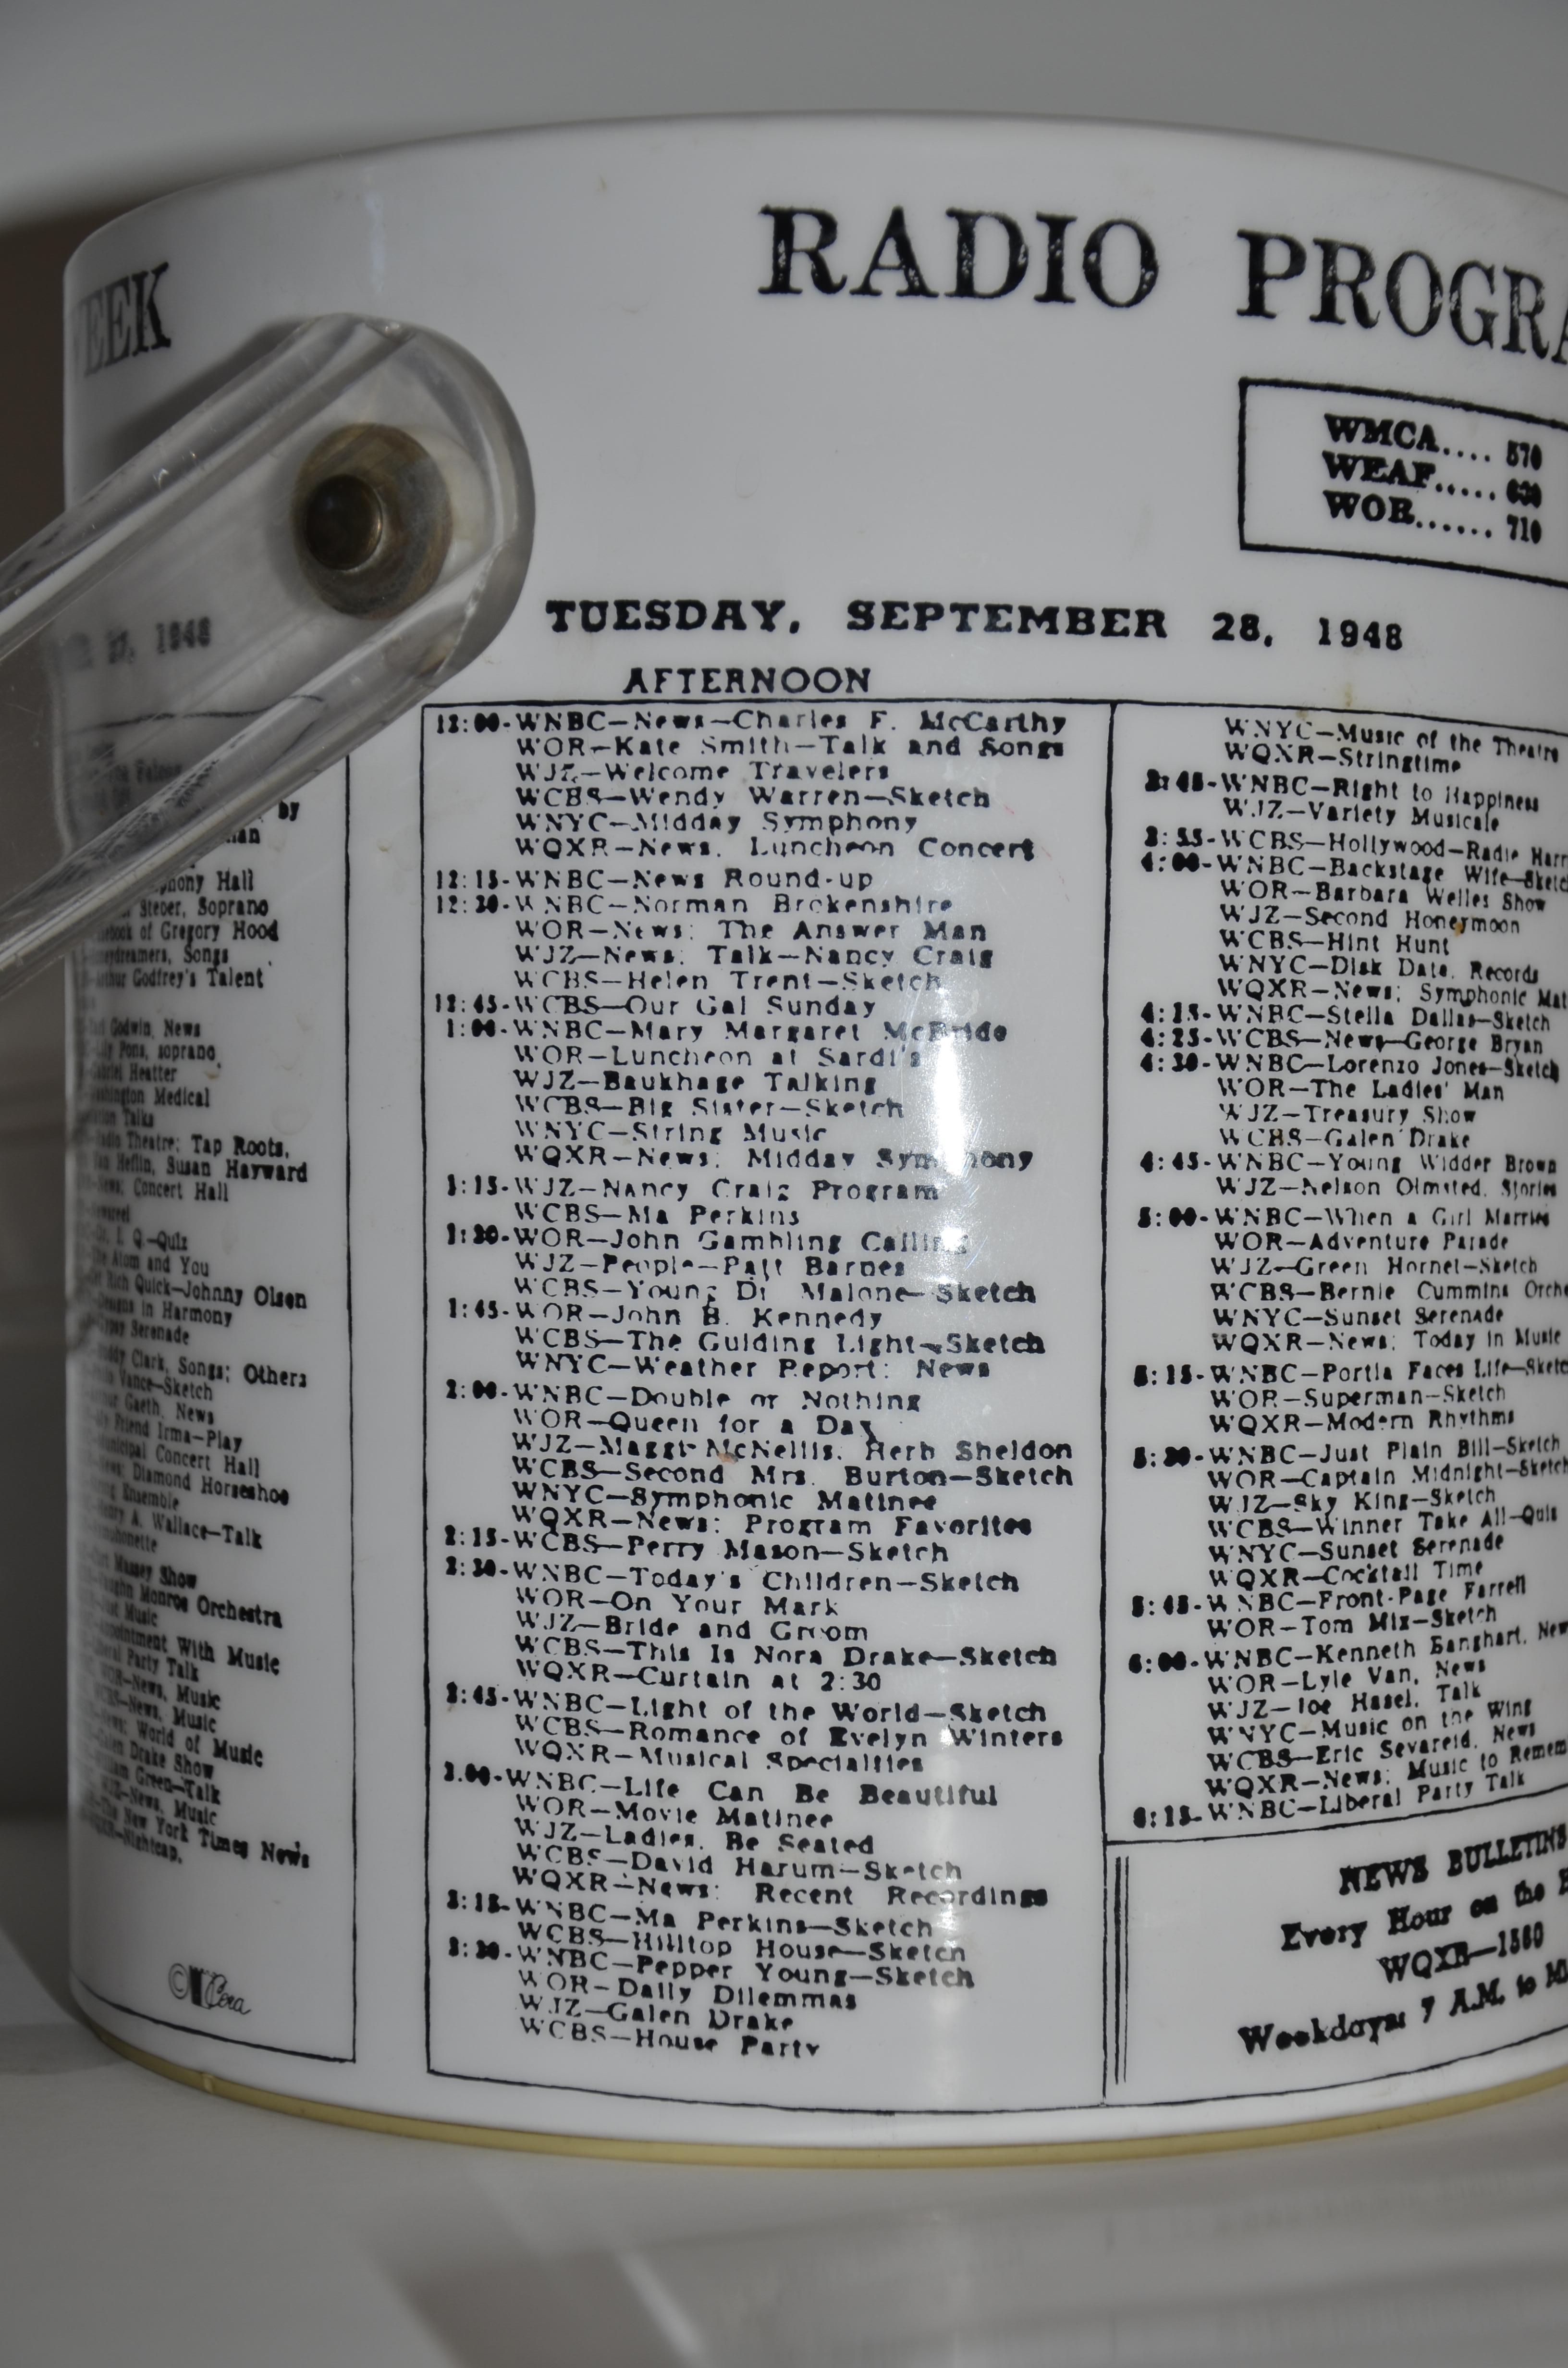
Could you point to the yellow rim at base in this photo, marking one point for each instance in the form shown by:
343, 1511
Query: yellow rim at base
828, 2157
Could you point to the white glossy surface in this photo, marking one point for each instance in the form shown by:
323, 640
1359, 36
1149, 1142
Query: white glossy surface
181, 2230
1200, 1260
151, 93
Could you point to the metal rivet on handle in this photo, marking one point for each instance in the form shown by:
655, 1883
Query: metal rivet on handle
372, 520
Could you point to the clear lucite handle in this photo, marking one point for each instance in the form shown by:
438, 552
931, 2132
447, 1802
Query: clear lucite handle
312, 550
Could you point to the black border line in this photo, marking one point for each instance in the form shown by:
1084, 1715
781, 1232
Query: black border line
1110, 1911
1381, 558
1126, 1965
353, 1565
1113, 2038
1123, 1966
1247, 702
219, 2033
864, 2112
1000, 2112
425, 714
